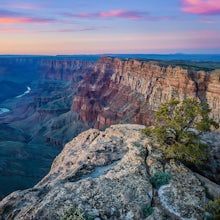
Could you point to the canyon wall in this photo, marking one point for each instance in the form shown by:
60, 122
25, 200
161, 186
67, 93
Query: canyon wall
71, 95
67, 70
131, 90
28, 68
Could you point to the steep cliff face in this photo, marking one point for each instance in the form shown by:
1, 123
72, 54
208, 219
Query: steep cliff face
106, 175
67, 70
131, 90
213, 93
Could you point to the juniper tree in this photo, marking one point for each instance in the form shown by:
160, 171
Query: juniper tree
178, 128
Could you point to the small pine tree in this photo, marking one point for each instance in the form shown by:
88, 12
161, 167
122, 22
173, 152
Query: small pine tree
178, 128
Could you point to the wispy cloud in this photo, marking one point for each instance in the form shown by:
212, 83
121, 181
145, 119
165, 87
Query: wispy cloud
203, 7
24, 20
7, 13
23, 6
68, 30
11, 17
134, 15
12, 29
206, 20
123, 14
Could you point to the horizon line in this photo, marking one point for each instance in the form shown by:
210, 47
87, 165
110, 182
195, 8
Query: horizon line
107, 54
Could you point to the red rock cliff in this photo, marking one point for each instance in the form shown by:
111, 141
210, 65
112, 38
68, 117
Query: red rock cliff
131, 90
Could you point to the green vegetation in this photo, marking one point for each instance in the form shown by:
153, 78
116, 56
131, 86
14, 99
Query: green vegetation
213, 207
138, 145
159, 179
178, 128
191, 65
147, 210
73, 214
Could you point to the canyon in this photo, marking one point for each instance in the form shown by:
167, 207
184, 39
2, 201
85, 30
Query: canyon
123, 190
132, 90
72, 94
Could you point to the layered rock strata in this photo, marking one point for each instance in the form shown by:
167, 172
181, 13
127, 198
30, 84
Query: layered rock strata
106, 175
67, 70
132, 90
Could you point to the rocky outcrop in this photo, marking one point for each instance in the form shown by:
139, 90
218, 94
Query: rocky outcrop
111, 91
106, 175
211, 169
132, 90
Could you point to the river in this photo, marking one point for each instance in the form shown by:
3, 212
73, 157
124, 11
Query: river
26, 92
5, 110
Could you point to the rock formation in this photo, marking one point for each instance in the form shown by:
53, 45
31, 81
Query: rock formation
71, 95
67, 70
106, 175
131, 90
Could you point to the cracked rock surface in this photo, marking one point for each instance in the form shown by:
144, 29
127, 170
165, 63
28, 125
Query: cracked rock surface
106, 174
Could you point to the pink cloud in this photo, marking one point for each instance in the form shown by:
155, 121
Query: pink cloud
11, 17
134, 15
203, 7
67, 30
123, 14
206, 20
13, 29
23, 20
23, 6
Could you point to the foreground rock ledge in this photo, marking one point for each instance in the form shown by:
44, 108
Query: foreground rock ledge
106, 174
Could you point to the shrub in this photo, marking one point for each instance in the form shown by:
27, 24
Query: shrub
178, 127
138, 145
73, 214
213, 207
147, 210
159, 179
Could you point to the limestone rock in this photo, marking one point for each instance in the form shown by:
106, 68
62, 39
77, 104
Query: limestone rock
105, 174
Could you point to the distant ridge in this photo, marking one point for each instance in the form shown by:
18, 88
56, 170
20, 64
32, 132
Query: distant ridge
176, 56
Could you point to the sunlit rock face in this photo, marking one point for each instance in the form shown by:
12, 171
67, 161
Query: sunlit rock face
107, 175
132, 90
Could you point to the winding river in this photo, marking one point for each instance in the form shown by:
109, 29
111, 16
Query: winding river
5, 110
26, 92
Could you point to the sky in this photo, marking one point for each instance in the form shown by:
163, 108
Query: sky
53, 27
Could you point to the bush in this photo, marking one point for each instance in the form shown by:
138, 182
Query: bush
213, 207
178, 127
159, 179
73, 214
138, 145
147, 210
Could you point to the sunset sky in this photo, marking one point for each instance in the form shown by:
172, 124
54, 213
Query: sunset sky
114, 26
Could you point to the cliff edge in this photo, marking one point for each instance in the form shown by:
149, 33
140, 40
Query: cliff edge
130, 91
106, 174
